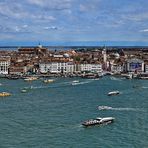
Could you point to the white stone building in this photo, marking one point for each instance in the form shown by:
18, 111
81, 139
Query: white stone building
117, 68
4, 65
96, 68
56, 67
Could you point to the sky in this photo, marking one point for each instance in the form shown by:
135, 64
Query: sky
73, 21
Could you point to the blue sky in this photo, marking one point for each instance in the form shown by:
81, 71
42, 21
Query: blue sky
73, 20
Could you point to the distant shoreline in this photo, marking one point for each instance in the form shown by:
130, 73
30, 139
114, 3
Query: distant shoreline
77, 47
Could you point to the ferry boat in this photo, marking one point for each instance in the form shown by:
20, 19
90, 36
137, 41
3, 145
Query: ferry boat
113, 93
98, 121
4, 94
48, 81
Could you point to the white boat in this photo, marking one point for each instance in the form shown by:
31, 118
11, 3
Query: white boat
75, 82
113, 93
23, 90
104, 107
48, 81
98, 121
30, 79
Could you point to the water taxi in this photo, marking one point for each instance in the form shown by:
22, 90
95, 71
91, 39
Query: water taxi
98, 121
113, 93
4, 94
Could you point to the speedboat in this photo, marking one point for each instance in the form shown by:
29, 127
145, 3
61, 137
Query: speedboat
113, 93
98, 121
104, 107
75, 82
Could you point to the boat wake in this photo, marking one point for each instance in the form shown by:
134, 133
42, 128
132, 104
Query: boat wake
115, 79
144, 87
119, 109
56, 85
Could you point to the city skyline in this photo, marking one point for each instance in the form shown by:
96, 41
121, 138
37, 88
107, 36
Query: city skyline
46, 21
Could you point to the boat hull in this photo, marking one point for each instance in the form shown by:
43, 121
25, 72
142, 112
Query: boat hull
87, 123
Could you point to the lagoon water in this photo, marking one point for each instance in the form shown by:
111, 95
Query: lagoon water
50, 115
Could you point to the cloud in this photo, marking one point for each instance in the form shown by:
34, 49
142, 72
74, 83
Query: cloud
144, 30
51, 28
19, 11
25, 26
12, 11
51, 4
14, 29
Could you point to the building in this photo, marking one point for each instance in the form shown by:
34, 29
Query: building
95, 68
4, 65
56, 67
135, 65
146, 66
44, 67
117, 68
18, 70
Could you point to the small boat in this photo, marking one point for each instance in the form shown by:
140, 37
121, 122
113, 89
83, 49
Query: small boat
48, 81
23, 90
75, 82
98, 121
4, 94
113, 93
30, 79
104, 107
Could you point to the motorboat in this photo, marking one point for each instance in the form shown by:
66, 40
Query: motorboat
113, 93
98, 121
48, 81
23, 90
4, 94
104, 107
75, 82
30, 79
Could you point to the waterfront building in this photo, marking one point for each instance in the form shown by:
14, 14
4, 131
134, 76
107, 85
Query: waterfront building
135, 65
70, 67
18, 70
95, 68
56, 67
44, 67
77, 67
117, 68
146, 67
4, 65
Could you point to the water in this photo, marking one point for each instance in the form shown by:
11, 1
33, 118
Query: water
50, 115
